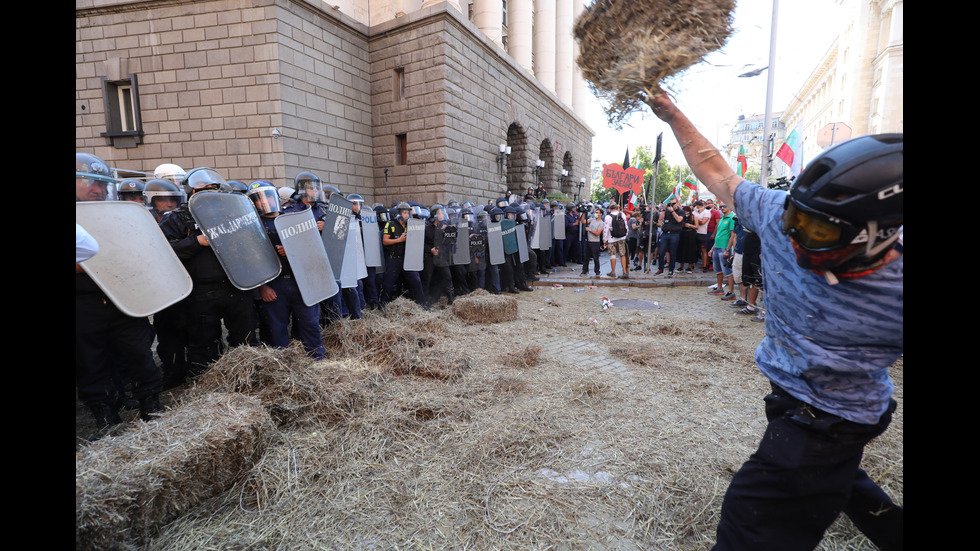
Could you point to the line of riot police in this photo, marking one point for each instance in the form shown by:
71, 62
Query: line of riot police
268, 265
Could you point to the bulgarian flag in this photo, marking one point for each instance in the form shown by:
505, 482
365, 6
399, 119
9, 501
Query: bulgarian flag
689, 183
741, 165
791, 151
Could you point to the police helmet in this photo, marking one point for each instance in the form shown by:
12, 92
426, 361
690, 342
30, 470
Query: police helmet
157, 188
264, 196
434, 211
329, 190
845, 209
496, 214
308, 184
236, 186
131, 190
382, 213
203, 179
93, 179
286, 195
170, 172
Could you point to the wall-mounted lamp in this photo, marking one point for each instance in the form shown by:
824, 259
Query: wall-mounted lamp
581, 182
502, 157
538, 167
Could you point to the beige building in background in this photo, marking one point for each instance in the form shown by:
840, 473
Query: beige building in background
393, 99
857, 88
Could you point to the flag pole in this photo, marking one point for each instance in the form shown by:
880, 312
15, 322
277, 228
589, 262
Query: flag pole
653, 187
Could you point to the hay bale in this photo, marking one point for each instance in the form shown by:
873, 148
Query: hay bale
126, 487
629, 49
483, 307
293, 387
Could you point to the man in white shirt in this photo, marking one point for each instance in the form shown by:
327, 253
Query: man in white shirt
615, 239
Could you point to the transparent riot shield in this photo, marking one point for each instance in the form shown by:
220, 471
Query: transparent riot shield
495, 243
414, 245
354, 268
307, 257
444, 241
521, 242
535, 238
336, 225
461, 256
134, 256
546, 227
478, 247
231, 225
371, 234
559, 224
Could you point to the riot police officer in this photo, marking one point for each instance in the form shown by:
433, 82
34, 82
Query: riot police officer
213, 298
162, 197
100, 325
440, 241
281, 297
394, 239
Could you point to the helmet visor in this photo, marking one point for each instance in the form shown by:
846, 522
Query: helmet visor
813, 230
265, 199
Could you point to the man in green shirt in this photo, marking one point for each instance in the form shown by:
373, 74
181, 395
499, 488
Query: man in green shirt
724, 242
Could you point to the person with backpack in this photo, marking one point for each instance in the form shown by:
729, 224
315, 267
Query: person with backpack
615, 237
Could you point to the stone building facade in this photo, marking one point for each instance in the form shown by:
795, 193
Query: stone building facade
265, 89
857, 88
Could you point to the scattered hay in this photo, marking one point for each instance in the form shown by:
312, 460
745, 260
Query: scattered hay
292, 387
629, 49
128, 486
523, 358
404, 339
483, 307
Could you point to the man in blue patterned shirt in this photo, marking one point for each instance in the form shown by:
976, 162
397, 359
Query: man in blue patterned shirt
834, 301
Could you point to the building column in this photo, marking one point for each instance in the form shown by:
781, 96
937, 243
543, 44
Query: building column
564, 51
544, 43
488, 16
580, 91
520, 25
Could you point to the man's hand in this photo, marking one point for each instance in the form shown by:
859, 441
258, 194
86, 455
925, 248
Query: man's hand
202, 241
661, 105
267, 294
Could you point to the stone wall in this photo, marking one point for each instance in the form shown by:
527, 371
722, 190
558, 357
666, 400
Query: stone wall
217, 77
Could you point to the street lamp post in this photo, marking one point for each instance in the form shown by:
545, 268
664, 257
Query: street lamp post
764, 175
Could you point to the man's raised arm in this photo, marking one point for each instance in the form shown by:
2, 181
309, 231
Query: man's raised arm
703, 158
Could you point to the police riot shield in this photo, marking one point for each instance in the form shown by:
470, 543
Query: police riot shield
546, 229
307, 257
336, 225
559, 223
444, 241
535, 238
354, 268
495, 243
521, 242
231, 225
374, 256
414, 245
478, 246
461, 256
507, 229
135, 267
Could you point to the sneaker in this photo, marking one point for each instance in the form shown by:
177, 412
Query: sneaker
611, 274
689, 271
760, 317
739, 303
670, 273
659, 272
716, 292
728, 296
584, 274
624, 276
748, 310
